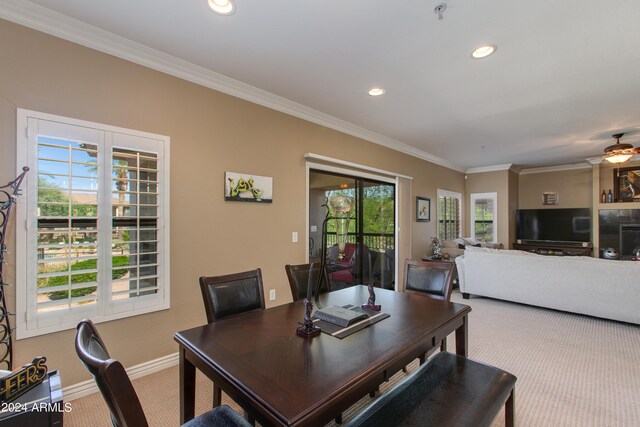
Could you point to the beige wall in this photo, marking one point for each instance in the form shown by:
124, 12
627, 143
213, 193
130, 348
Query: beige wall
490, 182
573, 188
210, 133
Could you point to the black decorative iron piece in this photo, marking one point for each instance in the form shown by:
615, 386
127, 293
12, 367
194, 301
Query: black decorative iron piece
323, 254
7, 200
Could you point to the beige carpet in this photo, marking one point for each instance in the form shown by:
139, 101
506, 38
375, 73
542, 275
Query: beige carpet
572, 370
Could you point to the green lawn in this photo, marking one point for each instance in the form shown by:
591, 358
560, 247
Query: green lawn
90, 264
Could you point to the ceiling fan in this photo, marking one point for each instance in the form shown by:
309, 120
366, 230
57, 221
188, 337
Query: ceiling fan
619, 152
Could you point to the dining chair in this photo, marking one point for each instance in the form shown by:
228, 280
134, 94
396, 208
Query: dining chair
232, 294
229, 295
298, 276
433, 279
118, 392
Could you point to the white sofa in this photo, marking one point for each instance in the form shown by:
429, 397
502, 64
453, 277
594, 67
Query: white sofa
597, 287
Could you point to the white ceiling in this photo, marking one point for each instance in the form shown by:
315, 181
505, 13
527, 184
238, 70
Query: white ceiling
565, 77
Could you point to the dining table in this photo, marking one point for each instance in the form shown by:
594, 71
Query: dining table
283, 379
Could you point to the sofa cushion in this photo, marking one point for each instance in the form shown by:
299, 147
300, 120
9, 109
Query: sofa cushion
450, 244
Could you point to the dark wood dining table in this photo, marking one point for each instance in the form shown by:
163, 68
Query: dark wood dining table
282, 379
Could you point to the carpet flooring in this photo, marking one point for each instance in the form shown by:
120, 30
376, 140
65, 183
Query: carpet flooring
572, 370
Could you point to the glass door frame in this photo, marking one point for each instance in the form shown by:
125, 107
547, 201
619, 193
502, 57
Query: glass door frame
355, 173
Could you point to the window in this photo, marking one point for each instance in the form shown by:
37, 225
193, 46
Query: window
449, 214
96, 241
483, 217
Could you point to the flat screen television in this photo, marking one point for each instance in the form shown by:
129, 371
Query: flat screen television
554, 225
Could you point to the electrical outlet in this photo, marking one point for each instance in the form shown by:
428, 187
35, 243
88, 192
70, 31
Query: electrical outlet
294, 237
314, 228
272, 294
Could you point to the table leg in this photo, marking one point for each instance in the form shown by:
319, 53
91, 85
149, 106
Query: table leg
462, 338
187, 389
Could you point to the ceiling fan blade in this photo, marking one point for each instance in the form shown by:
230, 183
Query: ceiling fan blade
635, 150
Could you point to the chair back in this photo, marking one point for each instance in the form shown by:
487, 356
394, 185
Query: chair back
232, 294
298, 276
110, 376
433, 278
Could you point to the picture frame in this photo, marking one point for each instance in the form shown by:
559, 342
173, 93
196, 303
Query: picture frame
626, 184
549, 198
246, 187
423, 209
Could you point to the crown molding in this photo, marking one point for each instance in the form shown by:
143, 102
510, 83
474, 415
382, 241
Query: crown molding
559, 168
56, 24
494, 168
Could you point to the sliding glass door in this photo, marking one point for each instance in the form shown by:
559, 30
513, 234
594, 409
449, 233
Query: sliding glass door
368, 255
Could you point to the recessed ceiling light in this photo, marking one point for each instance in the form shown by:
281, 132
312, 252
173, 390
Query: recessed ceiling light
484, 51
222, 7
376, 91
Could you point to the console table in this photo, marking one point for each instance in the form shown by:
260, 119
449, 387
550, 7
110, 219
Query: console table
557, 249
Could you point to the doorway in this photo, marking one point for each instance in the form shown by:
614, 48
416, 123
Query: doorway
370, 248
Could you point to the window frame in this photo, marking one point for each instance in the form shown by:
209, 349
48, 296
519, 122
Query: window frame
473, 197
29, 322
448, 194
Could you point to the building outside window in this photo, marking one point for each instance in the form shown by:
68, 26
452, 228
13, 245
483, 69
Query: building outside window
96, 237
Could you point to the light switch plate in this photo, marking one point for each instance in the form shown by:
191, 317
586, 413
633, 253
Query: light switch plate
294, 237
314, 228
272, 294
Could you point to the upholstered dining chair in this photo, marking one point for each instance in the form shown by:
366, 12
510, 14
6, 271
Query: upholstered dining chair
118, 392
433, 279
232, 294
229, 295
298, 276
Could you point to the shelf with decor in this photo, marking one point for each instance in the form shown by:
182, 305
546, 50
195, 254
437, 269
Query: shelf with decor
555, 248
619, 205
608, 217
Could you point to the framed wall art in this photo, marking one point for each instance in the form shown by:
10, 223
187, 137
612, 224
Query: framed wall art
549, 198
423, 209
626, 184
245, 187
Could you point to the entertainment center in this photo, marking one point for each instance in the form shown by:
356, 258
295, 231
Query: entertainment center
554, 248
559, 232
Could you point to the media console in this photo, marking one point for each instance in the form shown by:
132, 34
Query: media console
555, 248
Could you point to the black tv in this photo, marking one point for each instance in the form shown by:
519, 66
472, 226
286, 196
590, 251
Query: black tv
554, 225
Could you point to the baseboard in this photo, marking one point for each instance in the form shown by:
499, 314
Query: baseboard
88, 387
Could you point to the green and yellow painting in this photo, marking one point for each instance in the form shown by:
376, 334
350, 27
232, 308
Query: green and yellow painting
243, 187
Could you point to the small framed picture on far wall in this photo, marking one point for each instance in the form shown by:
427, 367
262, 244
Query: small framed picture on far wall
549, 198
423, 209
